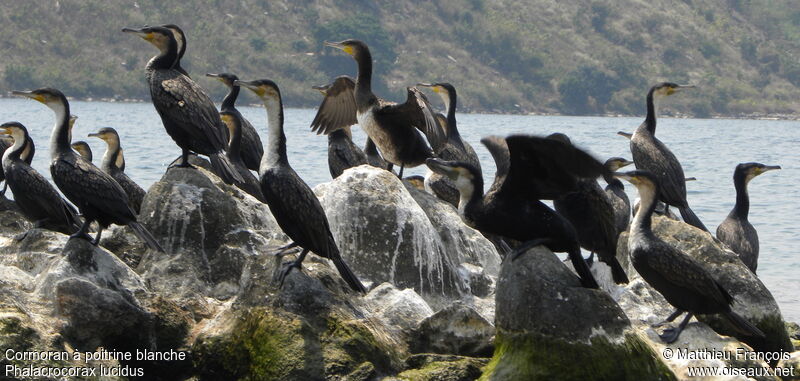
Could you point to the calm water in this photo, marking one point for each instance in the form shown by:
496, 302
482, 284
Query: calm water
708, 150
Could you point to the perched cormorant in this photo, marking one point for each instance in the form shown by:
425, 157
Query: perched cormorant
682, 280
38, 200
251, 148
96, 194
651, 155
615, 191
5, 143
109, 165
342, 152
233, 119
180, 39
293, 204
391, 126
374, 157
538, 169
454, 148
186, 111
83, 149
736, 231
591, 213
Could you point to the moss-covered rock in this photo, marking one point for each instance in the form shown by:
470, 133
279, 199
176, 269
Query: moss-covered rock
428, 367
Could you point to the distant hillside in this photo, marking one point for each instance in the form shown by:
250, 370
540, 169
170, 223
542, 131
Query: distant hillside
570, 57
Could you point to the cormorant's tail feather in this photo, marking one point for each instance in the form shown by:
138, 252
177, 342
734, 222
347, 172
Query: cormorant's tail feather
348, 276
690, 218
743, 326
582, 268
617, 272
145, 236
224, 168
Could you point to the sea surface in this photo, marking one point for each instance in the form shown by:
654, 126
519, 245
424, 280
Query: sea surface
708, 149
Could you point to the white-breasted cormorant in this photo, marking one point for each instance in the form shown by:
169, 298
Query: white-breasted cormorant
342, 152
454, 148
5, 143
538, 169
736, 231
591, 213
651, 155
110, 166
38, 200
391, 126
188, 114
96, 194
293, 204
682, 280
180, 39
83, 149
251, 147
615, 191
233, 120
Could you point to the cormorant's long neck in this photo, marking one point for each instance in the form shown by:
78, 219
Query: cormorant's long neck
742, 207
452, 129
276, 140
470, 197
652, 109
363, 90
167, 58
60, 139
110, 156
15, 151
235, 143
229, 101
647, 204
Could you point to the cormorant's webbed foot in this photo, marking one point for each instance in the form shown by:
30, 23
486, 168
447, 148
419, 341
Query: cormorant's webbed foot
670, 335
82, 232
287, 268
183, 161
285, 249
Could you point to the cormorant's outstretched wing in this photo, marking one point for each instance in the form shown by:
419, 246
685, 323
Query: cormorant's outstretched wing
186, 105
543, 168
416, 112
338, 109
499, 149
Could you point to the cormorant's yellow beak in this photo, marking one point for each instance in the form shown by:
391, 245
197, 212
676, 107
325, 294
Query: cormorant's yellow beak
256, 89
148, 36
338, 45
31, 95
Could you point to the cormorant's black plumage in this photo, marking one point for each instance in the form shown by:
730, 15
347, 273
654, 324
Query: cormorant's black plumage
538, 168
652, 155
38, 200
454, 148
83, 149
682, 280
391, 126
96, 194
188, 114
233, 119
293, 204
110, 166
251, 147
736, 231
615, 191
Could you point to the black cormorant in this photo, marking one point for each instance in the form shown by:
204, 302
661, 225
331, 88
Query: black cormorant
651, 155
251, 148
342, 152
736, 231
38, 200
188, 114
615, 191
96, 194
233, 119
454, 148
110, 166
83, 149
391, 126
683, 281
293, 204
538, 168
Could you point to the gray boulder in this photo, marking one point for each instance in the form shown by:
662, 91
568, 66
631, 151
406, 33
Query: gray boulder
752, 300
549, 327
457, 329
401, 311
789, 368
386, 236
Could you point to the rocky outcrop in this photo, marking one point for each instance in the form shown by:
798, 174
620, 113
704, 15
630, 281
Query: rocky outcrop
457, 329
752, 299
390, 232
549, 327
